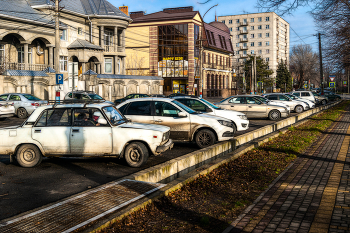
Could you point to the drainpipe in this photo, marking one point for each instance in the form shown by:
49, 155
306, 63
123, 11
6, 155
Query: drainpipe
90, 29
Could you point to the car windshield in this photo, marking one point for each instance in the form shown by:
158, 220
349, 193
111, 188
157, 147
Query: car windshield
225, 99
293, 97
210, 104
184, 107
95, 97
262, 99
114, 116
31, 97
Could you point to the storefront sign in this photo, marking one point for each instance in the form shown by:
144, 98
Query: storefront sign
173, 58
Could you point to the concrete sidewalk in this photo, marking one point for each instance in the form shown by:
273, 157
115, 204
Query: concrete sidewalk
312, 195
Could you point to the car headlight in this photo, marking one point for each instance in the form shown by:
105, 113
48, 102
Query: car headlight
226, 123
243, 117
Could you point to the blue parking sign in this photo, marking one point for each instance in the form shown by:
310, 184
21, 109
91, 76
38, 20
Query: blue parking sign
59, 78
331, 84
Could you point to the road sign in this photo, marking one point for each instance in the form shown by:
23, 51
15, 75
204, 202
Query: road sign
59, 78
332, 77
260, 83
305, 85
332, 84
345, 82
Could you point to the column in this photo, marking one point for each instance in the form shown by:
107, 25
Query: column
116, 64
123, 39
26, 66
98, 67
124, 90
110, 92
18, 89
51, 57
102, 33
100, 89
137, 89
115, 39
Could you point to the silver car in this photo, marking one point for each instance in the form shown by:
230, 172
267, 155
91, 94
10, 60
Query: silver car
309, 102
24, 104
253, 107
6, 109
296, 106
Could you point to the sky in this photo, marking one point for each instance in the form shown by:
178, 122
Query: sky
301, 22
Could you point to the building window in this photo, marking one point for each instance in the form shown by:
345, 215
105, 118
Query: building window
208, 58
208, 35
108, 37
259, 27
63, 63
251, 35
251, 27
237, 52
2, 53
237, 28
251, 51
260, 51
267, 27
267, 19
245, 20
267, 59
267, 43
244, 52
252, 20
268, 67
259, 35
20, 51
259, 19
80, 31
237, 36
230, 29
223, 21
118, 66
230, 21
252, 44
259, 43
267, 34
237, 20
108, 65
64, 35
267, 51
237, 45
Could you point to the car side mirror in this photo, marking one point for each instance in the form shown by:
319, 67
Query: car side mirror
102, 121
182, 114
208, 110
129, 120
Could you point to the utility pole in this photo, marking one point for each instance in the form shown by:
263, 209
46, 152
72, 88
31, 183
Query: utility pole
57, 37
255, 78
321, 66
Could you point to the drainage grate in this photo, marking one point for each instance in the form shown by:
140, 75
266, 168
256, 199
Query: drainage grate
73, 213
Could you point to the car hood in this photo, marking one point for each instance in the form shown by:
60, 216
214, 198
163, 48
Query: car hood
226, 113
207, 118
135, 125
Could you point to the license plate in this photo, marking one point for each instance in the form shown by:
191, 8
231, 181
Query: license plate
5, 106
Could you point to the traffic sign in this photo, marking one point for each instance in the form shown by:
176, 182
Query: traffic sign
332, 77
59, 78
260, 83
345, 82
305, 85
332, 84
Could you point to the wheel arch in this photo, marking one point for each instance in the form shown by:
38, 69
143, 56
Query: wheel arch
136, 140
29, 143
204, 127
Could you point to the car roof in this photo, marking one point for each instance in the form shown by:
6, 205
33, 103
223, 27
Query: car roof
147, 98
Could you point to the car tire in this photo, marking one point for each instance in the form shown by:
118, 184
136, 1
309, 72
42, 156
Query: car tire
28, 155
337, 99
234, 129
324, 102
136, 154
3, 118
205, 138
22, 113
274, 115
298, 109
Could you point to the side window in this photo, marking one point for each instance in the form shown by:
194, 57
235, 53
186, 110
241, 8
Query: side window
237, 100
55, 117
251, 100
70, 95
283, 98
4, 97
297, 94
122, 108
15, 98
305, 94
272, 97
85, 97
139, 108
197, 106
88, 117
166, 109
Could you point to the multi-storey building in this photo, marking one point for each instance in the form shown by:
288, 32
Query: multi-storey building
262, 34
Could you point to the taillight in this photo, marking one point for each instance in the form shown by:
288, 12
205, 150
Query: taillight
1, 105
35, 104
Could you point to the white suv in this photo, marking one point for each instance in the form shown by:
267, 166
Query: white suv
239, 119
296, 106
185, 123
82, 130
304, 95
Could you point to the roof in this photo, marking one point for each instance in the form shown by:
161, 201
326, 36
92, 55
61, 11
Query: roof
220, 26
119, 76
30, 73
90, 72
83, 44
86, 7
220, 37
165, 16
21, 9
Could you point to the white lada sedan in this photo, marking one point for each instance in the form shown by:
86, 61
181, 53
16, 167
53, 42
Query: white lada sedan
82, 130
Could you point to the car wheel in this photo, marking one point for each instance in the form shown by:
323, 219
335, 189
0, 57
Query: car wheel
234, 129
136, 154
324, 102
337, 99
22, 113
2, 119
205, 138
29, 156
299, 109
274, 115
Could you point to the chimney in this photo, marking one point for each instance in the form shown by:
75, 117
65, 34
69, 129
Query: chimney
178, 9
136, 14
124, 9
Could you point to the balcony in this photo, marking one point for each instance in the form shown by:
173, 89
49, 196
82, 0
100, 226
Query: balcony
22, 66
243, 39
108, 48
243, 23
243, 47
121, 49
244, 55
243, 31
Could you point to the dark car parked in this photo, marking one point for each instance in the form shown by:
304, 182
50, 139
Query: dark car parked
130, 96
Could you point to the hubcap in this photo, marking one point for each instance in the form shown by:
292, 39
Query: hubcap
29, 155
275, 115
135, 155
21, 112
204, 139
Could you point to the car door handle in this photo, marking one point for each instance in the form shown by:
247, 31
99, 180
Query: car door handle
75, 130
158, 121
232, 106
250, 106
37, 131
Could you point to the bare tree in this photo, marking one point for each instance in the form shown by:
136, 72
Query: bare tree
134, 65
304, 65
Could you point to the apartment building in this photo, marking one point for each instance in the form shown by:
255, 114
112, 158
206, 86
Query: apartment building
262, 34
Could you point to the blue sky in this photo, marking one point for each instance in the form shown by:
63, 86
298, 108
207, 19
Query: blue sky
301, 21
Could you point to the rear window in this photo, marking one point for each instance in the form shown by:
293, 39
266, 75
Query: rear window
31, 97
95, 97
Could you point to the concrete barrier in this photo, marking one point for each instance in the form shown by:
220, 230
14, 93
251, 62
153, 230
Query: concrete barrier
175, 168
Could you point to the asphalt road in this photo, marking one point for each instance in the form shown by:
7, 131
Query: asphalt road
23, 189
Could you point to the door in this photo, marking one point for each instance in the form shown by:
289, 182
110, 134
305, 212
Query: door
182, 88
167, 114
52, 131
88, 136
236, 104
16, 99
139, 111
255, 108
